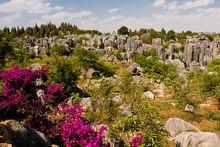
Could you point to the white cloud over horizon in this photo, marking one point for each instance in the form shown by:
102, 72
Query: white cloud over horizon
113, 10
158, 3
170, 14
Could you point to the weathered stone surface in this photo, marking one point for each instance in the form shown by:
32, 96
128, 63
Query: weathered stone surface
149, 95
87, 103
181, 70
133, 43
189, 108
158, 45
91, 73
134, 69
176, 126
126, 110
18, 134
215, 47
197, 50
197, 139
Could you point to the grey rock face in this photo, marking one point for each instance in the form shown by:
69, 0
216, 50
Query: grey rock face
18, 134
176, 126
158, 45
133, 43
149, 95
198, 139
215, 47
197, 50
179, 65
121, 41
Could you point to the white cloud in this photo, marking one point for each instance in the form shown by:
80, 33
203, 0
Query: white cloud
158, 3
10, 20
174, 5
62, 16
29, 6
113, 10
112, 19
196, 3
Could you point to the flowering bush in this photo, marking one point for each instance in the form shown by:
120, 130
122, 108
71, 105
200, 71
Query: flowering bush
74, 130
136, 140
25, 98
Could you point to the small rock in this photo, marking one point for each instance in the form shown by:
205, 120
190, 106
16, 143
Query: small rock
117, 99
87, 104
148, 95
126, 110
189, 108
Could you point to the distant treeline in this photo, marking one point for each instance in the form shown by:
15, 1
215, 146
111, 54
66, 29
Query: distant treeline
63, 29
44, 30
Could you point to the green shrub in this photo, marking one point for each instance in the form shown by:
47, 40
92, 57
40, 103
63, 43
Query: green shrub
155, 69
145, 120
64, 70
59, 50
88, 59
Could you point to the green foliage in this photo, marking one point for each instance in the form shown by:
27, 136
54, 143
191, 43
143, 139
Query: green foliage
5, 49
145, 120
88, 59
64, 70
105, 110
155, 69
126, 85
59, 50
170, 35
123, 30
151, 52
214, 65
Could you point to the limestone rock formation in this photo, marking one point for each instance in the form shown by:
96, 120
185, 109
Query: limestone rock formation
175, 126
17, 134
198, 139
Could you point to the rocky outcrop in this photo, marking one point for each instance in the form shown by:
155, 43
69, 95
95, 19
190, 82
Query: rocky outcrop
197, 51
176, 126
187, 135
197, 139
19, 135
215, 47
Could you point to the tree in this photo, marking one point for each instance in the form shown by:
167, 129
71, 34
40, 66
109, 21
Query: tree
123, 30
171, 35
5, 48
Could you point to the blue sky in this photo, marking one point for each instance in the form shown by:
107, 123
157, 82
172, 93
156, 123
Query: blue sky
108, 15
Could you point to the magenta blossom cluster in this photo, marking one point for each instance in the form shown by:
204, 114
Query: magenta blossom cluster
76, 131
136, 141
20, 99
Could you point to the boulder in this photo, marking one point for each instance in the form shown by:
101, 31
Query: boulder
179, 65
87, 104
197, 139
134, 69
92, 74
126, 110
189, 108
117, 99
17, 134
176, 126
149, 95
